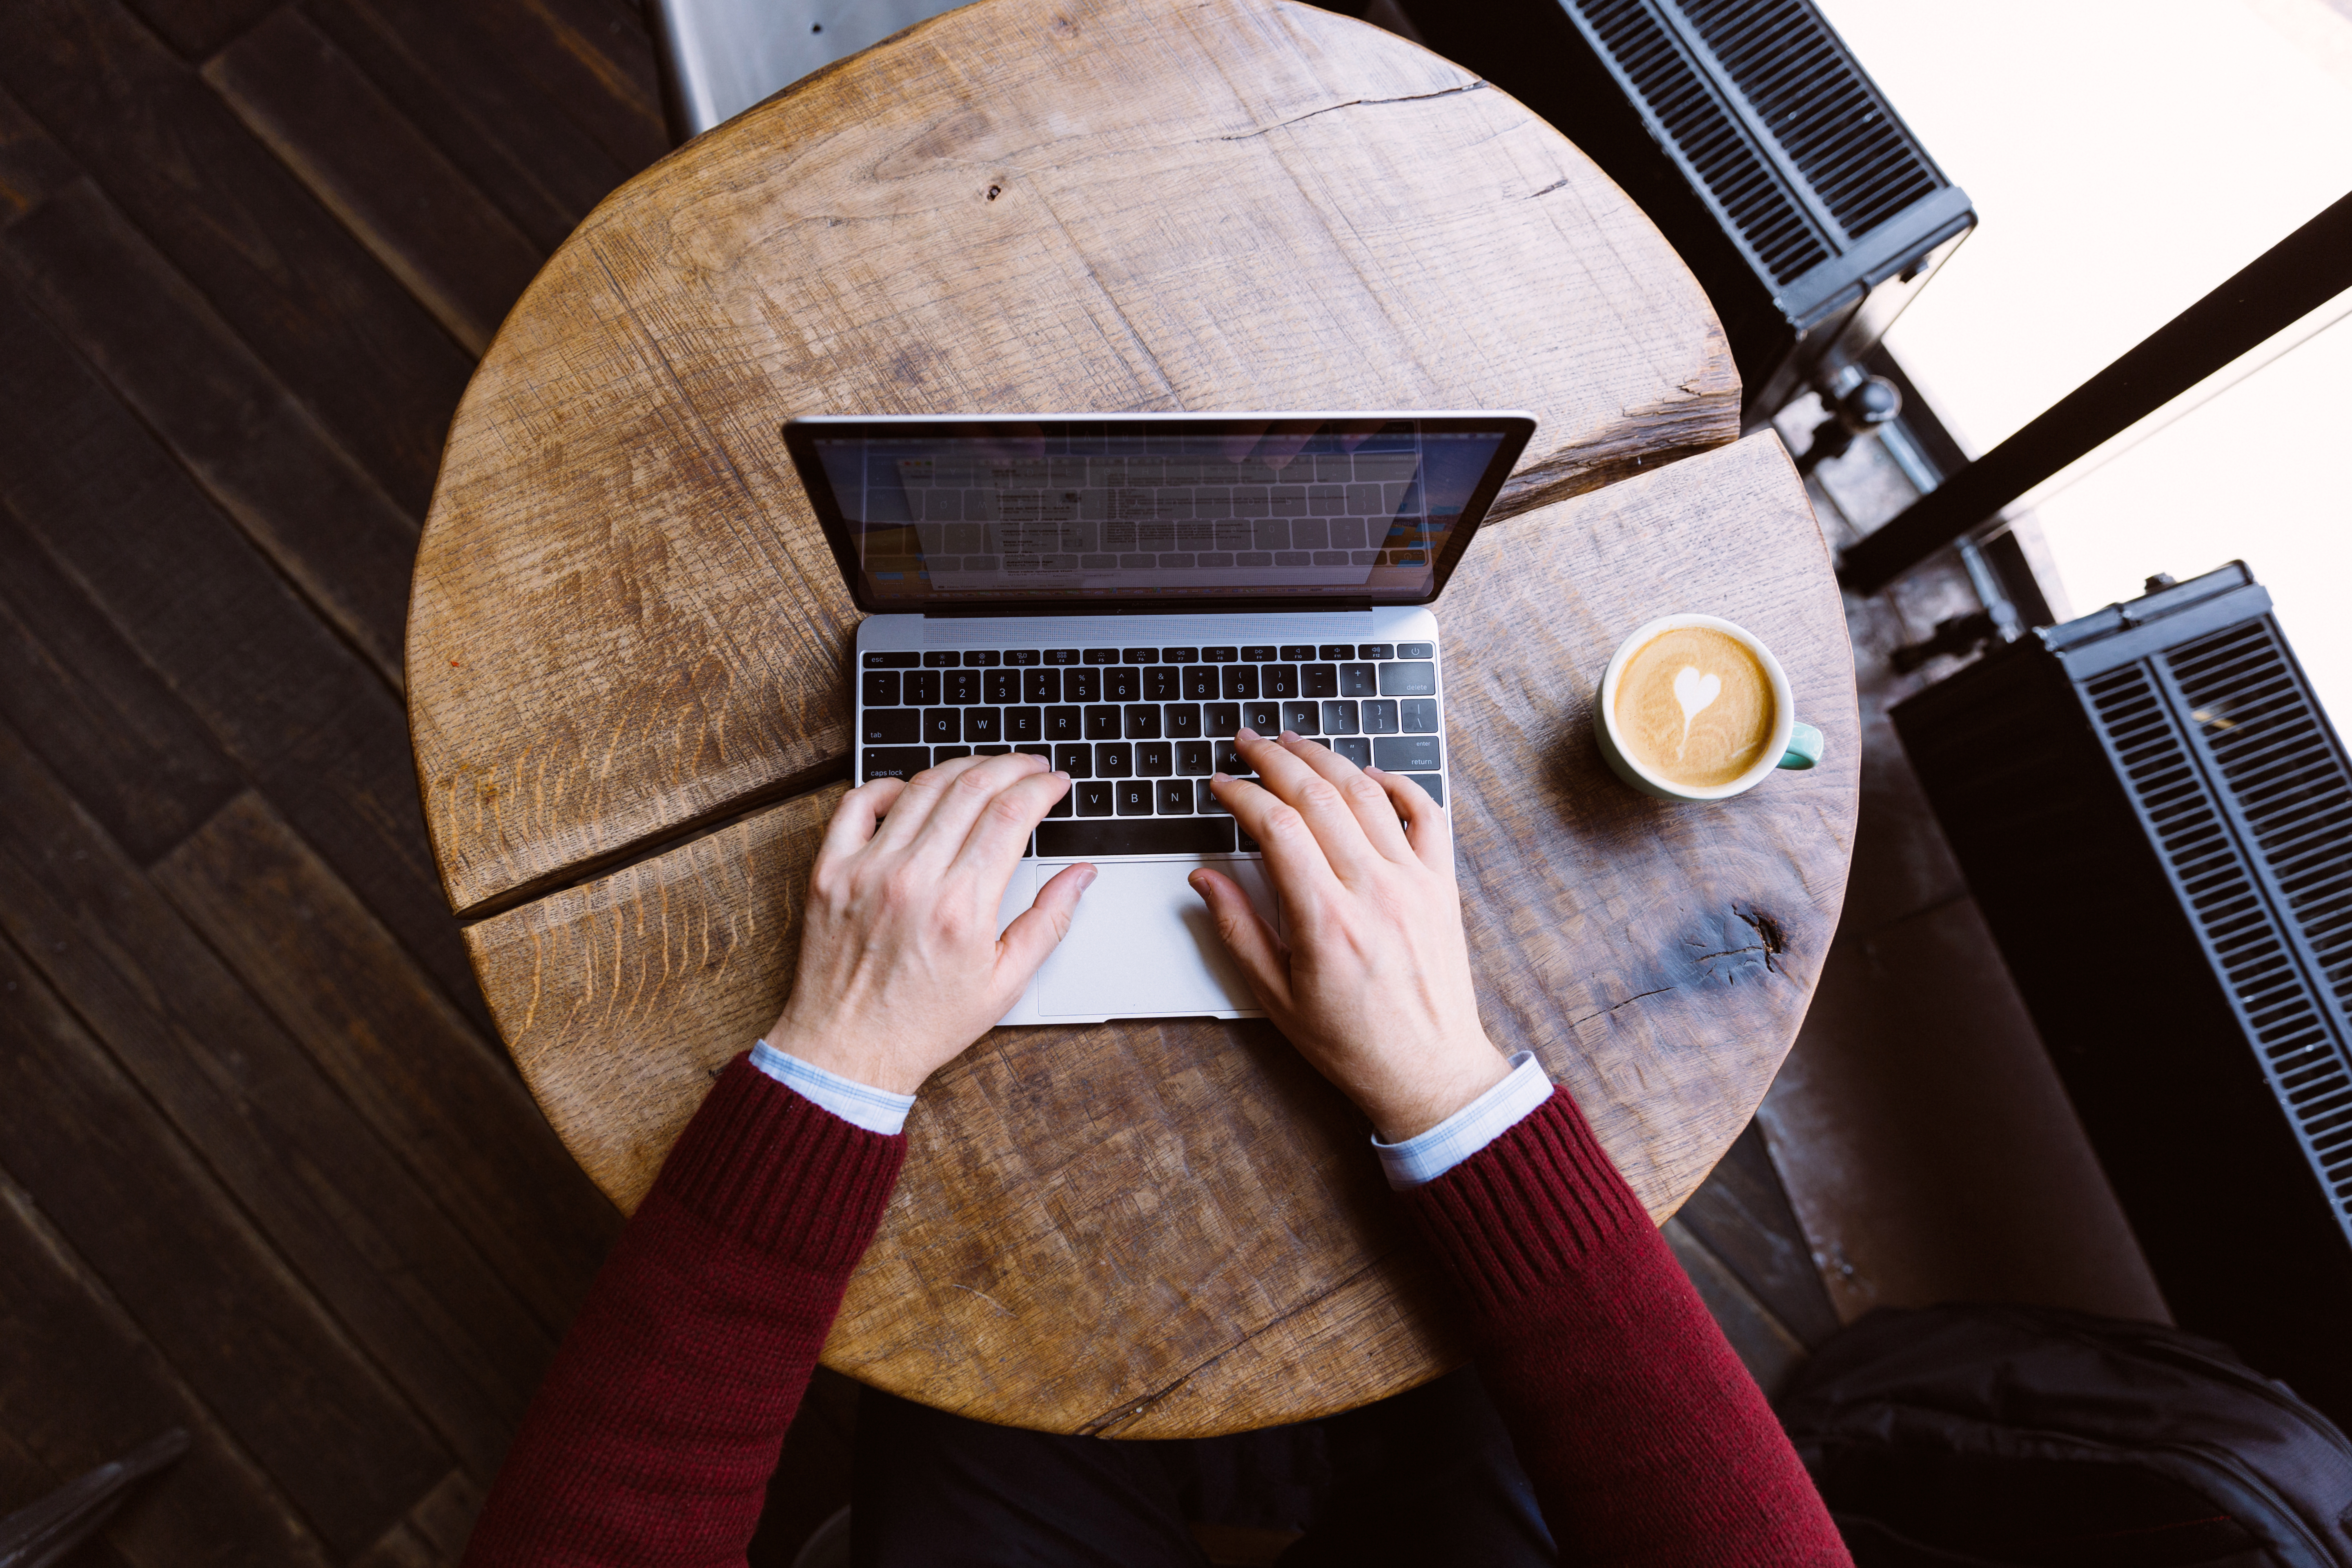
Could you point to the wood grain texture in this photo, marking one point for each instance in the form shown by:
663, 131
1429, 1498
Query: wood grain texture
625, 621
1172, 1229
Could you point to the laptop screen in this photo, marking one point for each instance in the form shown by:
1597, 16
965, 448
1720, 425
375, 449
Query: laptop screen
1367, 508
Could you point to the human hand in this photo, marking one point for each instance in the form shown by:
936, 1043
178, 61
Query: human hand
1373, 984
901, 967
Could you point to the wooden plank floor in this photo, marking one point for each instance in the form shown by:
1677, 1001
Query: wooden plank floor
264, 1171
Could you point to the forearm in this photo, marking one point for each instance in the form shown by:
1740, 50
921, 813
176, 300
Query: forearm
1645, 1438
653, 1435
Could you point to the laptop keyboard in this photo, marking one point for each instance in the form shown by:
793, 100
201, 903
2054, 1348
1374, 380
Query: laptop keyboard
1138, 730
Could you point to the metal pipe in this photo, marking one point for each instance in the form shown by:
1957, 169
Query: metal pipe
2287, 282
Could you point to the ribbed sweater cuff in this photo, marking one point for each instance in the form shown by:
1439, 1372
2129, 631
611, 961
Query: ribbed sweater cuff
1537, 1205
782, 1174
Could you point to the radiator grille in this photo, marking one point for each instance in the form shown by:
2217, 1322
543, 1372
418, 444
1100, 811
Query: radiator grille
2272, 891
1828, 118
1777, 230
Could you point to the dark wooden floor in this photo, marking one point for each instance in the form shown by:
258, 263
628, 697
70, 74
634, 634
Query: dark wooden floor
263, 1170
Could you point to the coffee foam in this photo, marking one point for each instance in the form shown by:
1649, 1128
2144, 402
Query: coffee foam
1695, 707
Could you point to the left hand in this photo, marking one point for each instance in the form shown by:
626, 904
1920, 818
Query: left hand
901, 967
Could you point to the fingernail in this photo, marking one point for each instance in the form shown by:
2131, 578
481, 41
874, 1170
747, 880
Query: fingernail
1087, 876
1246, 734
1290, 734
1215, 777
1060, 775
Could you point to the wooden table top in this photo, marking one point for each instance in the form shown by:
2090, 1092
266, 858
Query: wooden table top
628, 651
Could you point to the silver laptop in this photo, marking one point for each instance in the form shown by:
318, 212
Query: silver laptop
1122, 593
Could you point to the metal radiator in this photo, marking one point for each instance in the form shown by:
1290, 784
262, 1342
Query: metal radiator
1750, 136
2156, 817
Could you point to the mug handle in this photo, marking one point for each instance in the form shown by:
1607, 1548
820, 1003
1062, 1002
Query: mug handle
1804, 747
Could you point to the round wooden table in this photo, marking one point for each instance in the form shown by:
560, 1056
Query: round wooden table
629, 693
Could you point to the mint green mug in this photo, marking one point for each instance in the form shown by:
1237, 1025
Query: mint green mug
1791, 746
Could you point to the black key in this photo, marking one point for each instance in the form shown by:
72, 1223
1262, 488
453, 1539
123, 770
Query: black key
1082, 686
1095, 798
1230, 761
1124, 684
1380, 718
1433, 783
1175, 796
879, 688
941, 659
1374, 650
921, 688
1153, 761
962, 686
1205, 801
1416, 650
1066, 656
1001, 687
1114, 760
1420, 714
1406, 753
1223, 718
1336, 651
1066, 806
1180, 656
1041, 685
1339, 717
1408, 680
1241, 681
1143, 722
1101, 656
1021, 656
1077, 761
1300, 718
941, 753
1258, 653
1280, 679
1295, 652
1219, 654
1044, 751
891, 727
1357, 749
991, 751
1360, 680
1318, 680
1025, 724
1193, 758
1201, 683
1135, 796
892, 660
1102, 722
942, 726
894, 762
1160, 684
1182, 721
1140, 836
1138, 655
1064, 724
979, 659
1266, 718
981, 724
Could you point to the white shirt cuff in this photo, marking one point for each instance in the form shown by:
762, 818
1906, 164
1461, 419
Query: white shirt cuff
1468, 1130
859, 1104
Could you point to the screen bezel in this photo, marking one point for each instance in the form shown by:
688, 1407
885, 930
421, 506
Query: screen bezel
800, 433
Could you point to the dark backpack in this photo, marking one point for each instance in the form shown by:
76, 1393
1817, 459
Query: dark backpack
1967, 1436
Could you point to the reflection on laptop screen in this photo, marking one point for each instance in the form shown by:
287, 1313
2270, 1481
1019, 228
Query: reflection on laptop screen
1025, 510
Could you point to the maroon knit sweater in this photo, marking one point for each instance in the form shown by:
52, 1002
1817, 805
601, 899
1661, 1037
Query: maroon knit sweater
653, 1438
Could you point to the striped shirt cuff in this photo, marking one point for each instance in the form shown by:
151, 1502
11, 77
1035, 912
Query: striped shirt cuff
1468, 1130
859, 1104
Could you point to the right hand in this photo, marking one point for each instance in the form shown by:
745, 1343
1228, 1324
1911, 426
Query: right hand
1373, 984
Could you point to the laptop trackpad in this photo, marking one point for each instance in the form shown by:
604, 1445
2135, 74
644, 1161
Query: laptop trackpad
1142, 942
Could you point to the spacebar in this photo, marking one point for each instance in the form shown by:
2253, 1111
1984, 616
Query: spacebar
1135, 836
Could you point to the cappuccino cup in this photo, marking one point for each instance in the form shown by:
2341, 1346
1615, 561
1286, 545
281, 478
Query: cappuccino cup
1695, 707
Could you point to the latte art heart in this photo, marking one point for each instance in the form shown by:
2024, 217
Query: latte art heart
1694, 691
1695, 707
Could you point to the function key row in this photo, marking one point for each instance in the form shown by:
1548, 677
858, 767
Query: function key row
1155, 683
1254, 653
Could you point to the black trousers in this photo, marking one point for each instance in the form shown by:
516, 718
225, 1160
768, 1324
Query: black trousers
1428, 1478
